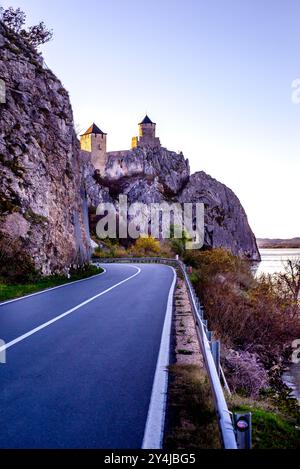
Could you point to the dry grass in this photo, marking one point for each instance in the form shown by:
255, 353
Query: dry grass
192, 420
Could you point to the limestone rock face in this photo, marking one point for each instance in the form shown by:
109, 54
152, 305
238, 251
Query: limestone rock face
155, 175
226, 223
42, 200
95, 192
169, 167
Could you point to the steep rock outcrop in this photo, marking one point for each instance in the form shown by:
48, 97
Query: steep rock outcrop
226, 223
156, 175
170, 168
41, 193
95, 192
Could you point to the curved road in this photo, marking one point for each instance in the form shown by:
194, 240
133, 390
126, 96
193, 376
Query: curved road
81, 360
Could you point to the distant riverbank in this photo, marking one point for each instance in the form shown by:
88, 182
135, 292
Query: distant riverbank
266, 243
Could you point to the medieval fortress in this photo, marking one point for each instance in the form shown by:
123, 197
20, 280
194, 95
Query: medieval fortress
93, 141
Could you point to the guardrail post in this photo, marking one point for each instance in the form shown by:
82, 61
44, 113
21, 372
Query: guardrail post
200, 311
243, 430
215, 350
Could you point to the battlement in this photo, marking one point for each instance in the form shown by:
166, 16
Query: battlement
93, 141
146, 135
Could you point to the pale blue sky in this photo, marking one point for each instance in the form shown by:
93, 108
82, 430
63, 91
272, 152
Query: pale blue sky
215, 75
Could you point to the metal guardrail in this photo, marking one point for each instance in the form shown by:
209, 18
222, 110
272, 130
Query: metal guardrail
224, 416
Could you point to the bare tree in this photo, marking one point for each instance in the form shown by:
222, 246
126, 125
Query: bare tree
15, 20
291, 278
287, 284
37, 35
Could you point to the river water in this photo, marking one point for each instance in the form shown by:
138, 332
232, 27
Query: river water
272, 261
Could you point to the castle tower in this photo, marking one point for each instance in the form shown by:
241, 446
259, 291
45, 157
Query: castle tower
146, 134
94, 141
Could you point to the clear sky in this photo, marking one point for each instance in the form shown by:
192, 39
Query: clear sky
215, 75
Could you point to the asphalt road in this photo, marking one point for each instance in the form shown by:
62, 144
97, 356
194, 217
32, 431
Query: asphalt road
81, 360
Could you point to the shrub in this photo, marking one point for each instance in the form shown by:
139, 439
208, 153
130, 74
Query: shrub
249, 318
286, 285
178, 245
246, 313
215, 261
246, 375
146, 246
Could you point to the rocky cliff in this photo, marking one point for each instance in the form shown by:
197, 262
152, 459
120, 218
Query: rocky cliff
47, 184
156, 175
41, 195
226, 223
158, 162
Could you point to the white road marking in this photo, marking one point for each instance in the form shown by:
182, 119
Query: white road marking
154, 430
52, 288
57, 318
